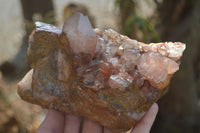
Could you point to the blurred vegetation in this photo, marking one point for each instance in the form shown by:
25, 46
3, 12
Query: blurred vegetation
134, 26
149, 34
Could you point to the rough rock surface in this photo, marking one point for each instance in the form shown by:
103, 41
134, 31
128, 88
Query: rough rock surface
98, 74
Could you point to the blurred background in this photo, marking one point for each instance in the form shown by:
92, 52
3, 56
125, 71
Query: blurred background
144, 20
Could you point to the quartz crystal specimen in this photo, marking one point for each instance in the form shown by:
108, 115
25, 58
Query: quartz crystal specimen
98, 74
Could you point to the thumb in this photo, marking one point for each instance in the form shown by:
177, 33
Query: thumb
147, 120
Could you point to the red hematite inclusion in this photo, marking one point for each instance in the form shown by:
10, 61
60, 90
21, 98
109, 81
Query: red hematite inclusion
95, 73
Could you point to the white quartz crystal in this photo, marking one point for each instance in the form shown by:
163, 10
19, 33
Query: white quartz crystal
175, 50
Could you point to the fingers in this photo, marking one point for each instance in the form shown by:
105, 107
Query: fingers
146, 122
57, 122
53, 123
90, 126
72, 124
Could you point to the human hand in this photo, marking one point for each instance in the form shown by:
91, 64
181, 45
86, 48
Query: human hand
57, 122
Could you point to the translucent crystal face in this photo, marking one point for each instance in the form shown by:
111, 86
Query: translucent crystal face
156, 67
80, 34
85, 27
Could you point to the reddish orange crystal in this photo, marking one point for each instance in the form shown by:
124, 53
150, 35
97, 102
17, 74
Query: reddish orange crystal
101, 75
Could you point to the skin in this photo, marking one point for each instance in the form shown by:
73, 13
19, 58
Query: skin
58, 122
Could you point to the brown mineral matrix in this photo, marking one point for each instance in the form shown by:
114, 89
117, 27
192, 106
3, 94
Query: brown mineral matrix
98, 74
